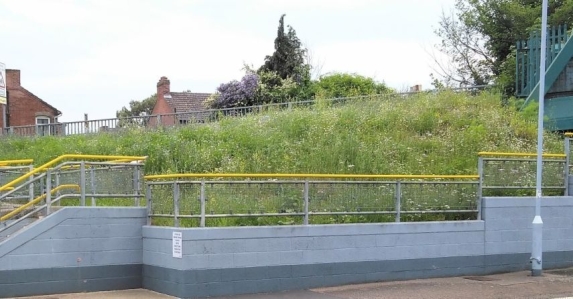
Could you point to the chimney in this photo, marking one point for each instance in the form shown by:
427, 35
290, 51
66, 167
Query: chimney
12, 78
163, 86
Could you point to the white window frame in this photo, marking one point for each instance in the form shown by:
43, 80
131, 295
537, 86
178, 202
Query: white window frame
43, 118
43, 129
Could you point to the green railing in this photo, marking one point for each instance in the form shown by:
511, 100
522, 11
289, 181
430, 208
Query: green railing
528, 54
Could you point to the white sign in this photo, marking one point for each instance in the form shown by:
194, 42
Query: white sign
2, 83
177, 245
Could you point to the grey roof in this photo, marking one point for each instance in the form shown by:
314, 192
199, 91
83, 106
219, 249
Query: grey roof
187, 102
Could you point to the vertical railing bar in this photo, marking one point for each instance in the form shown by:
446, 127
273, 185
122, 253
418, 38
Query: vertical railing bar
306, 202
48, 191
82, 183
92, 185
398, 202
176, 204
148, 203
31, 187
136, 184
567, 164
202, 203
480, 188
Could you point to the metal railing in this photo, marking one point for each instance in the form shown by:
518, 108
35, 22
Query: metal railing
195, 199
11, 169
189, 117
515, 174
115, 181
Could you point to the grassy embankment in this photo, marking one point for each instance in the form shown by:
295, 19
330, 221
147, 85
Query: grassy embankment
424, 134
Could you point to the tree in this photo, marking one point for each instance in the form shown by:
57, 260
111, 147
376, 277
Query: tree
341, 85
285, 76
140, 109
479, 38
288, 60
236, 93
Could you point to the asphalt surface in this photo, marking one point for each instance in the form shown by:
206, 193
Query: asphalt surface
551, 285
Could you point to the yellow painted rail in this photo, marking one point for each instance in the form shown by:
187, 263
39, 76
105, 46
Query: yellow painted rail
568, 134
36, 200
16, 162
69, 157
482, 154
306, 176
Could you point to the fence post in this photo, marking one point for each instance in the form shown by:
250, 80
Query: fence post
398, 200
567, 164
82, 183
31, 187
136, 184
92, 185
306, 202
48, 191
202, 203
480, 188
148, 203
176, 204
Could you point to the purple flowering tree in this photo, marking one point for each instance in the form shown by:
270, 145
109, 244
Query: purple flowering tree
237, 93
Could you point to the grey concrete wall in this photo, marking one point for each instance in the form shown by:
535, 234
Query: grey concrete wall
508, 234
74, 250
222, 261
88, 249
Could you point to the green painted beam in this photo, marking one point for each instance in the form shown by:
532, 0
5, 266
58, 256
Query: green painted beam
554, 70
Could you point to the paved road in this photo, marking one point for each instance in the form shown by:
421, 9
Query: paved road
553, 284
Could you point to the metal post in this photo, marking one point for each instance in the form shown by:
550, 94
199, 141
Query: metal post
537, 249
136, 185
567, 164
176, 204
202, 199
480, 189
398, 200
31, 187
82, 183
48, 191
148, 203
92, 184
306, 202
57, 180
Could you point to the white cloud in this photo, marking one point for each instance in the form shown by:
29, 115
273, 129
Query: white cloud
397, 63
314, 4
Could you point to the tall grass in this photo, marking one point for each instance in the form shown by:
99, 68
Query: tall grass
424, 134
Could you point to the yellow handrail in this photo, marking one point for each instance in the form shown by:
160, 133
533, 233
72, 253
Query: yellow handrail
36, 200
308, 175
112, 161
568, 134
481, 154
16, 162
68, 156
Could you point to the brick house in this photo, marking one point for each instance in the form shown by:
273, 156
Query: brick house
26, 109
188, 105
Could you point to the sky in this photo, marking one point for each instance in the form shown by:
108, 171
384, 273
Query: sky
94, 56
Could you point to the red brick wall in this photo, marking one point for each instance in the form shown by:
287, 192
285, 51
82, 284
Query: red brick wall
23, 105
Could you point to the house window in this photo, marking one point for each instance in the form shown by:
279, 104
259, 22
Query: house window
42, 125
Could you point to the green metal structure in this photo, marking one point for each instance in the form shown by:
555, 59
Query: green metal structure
558, 76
